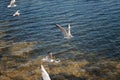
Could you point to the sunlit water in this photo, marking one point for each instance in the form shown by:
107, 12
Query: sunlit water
95, 25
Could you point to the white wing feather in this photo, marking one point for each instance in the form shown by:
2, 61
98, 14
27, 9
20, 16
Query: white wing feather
45, 75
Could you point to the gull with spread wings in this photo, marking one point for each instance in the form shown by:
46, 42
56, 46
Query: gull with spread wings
66, 32
16, 13
12, 3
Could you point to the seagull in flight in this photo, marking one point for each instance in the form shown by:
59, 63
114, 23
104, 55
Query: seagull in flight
16, 13
66, 32
12, 4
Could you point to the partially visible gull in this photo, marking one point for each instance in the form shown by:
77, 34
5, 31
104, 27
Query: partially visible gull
66, 32
12, 4
16, 13
45, 75
48, 58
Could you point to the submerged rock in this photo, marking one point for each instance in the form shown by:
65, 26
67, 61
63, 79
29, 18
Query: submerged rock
22, 48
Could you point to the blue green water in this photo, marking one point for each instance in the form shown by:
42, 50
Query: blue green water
95, 25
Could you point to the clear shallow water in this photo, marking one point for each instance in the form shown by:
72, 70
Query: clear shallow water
95, 26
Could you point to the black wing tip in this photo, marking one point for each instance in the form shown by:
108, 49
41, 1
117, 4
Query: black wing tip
57, 24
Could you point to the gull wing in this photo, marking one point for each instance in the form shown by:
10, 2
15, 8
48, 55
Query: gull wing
45, 75
62, 29
68, 29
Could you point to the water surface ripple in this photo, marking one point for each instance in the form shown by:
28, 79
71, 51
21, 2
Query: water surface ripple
95, 25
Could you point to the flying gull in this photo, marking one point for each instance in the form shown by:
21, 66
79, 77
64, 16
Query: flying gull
12, 4
66, 32
16, 13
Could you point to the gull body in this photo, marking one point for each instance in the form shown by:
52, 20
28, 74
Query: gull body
46, 59
16, 13
45, 75
66, 32
12, 4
